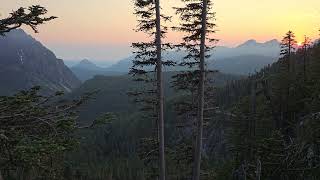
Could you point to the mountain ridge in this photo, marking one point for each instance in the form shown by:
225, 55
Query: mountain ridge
264, 53
25, 63
86, 70
87, 64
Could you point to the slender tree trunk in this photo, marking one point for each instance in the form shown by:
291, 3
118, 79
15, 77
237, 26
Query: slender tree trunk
244, 171
304, 63
258, 170
1, 178
197, 159
290, 76
289, 57
162, 164
253, 116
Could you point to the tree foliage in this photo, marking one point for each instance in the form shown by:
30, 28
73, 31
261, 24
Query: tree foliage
283, 145
32, 17
147, 68
197, 23
36, 131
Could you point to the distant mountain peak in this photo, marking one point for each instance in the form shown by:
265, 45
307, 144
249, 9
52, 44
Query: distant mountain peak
87, 64
272, 42
25, 62
250, 42
254, 43
18, 33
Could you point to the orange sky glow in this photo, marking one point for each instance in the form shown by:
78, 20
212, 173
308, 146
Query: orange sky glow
110, 23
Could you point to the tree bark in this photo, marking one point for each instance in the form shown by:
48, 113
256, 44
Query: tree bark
252, 126
305, 61
258, 170
1, 178
197, 162
289, 56
162, 165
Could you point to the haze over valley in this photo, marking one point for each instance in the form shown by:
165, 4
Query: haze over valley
160, 90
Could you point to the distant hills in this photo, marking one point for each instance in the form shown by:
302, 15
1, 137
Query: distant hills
25, 62
251, 47
86, 64
244, 59
242, 65
247, 58
100, 63
112, 92
86, 70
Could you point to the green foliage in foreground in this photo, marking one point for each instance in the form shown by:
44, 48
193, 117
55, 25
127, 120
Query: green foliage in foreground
33, 17
35, 133
268, 134
274, 127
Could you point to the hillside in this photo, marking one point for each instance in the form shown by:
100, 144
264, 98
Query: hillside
121, 139
25, 63
85, 70
247, 58
159, 90
273, 118
244, 59
112, 92
229, 130
243, 65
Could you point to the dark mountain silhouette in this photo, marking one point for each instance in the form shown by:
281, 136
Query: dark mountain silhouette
242, 65
25, 62
112, 92
86, 69
86, 64
244, 59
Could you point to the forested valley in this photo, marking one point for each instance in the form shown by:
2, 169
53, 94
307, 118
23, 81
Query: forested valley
151, 123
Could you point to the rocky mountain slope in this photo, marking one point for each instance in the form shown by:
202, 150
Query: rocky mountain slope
25, 62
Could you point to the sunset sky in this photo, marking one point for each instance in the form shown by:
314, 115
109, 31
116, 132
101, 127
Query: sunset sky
103, 29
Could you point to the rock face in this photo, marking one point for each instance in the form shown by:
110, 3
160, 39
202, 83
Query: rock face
25, 62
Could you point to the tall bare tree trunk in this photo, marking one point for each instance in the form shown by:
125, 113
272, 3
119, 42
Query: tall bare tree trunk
197, 162
305, 61
285, 116
160, 94
290, 67
253, 102
258, 170
1, 178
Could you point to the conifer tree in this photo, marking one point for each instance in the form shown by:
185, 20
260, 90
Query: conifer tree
148, 65
36, 131
305, 47
290, 149
32, 18
20, 17
197, 22
288, 45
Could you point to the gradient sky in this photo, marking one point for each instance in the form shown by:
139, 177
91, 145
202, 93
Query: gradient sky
103, 29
